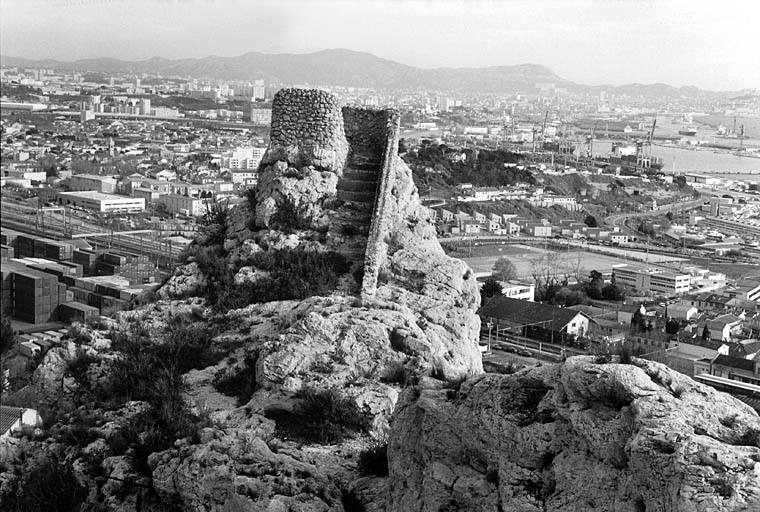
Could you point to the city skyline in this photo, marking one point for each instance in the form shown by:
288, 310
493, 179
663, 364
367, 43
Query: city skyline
587, 42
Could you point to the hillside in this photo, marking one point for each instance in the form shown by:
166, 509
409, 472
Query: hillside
347, 68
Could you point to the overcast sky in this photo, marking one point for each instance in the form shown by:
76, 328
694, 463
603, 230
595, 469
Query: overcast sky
711, 44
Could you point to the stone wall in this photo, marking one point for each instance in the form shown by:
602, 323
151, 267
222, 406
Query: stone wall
376, 247
366, 128
307, 129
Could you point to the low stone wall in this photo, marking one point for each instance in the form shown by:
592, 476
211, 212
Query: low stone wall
307, 129
376, 247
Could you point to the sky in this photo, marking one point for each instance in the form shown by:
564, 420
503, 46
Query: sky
712, 44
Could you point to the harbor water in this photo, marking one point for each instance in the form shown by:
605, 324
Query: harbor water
700, 161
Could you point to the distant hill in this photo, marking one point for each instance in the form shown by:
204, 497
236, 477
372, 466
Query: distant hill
349, 68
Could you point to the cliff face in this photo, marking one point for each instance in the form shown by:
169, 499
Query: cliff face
574, 437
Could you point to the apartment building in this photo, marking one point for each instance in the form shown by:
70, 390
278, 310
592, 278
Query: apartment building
652, 280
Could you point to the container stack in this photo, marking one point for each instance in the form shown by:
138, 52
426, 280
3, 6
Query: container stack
87, 258
7, 252
36, 295
30, 246
137, 269
76, 312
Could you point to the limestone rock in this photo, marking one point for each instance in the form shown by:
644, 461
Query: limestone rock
290, 198
236, 470
187, 280
573, 437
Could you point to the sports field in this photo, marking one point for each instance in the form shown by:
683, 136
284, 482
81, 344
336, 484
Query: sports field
528, 260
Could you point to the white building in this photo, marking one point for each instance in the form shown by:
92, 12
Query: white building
652, 280
244, 177
518, 290
177, 203
243, 158
100, 202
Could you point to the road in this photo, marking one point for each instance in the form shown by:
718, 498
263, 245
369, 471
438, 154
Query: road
618, 220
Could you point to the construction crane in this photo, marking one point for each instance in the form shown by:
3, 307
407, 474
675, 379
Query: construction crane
543, 130
590, 142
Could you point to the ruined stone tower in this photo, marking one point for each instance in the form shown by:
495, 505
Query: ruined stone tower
357, 148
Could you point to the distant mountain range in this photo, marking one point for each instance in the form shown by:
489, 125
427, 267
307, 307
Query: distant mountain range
349, 68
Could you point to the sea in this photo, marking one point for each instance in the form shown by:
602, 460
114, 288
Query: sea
699, 161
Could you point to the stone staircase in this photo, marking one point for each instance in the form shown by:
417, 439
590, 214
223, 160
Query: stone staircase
357, 189
358, 186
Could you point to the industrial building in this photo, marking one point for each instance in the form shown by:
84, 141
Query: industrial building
101, 202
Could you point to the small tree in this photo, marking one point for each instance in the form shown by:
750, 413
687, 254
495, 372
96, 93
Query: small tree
672, 326
638, 321
706, 336
490, 288
504, 270
590, 221
613, 292
7, 335
595, 285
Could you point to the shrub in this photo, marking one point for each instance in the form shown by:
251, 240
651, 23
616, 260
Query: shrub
323, 416
349, 230
728, 421
78, 366
626, 353
395, 373
374, 460
250, 196
47, 484
292, 274
288, 217
240, 384
750, 438
78, 335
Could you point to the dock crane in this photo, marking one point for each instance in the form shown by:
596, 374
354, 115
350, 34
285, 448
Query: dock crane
644, 150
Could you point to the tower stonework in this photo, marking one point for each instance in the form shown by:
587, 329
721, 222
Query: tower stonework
307, 129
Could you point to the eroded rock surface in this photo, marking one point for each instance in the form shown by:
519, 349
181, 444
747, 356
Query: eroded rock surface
574, 437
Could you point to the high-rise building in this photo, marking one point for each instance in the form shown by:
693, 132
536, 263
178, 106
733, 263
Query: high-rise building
145, 106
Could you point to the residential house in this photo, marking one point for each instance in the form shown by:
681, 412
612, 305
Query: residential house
14, 418
724, 326
682, 311
729, 367
534, 320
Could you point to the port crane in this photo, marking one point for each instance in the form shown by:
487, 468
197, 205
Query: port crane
644, 148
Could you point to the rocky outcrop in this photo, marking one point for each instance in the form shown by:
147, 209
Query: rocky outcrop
574, 437
235, 469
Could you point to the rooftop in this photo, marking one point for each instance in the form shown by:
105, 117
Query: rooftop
522, 312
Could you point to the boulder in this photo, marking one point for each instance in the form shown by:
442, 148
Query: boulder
186, 280
573, 437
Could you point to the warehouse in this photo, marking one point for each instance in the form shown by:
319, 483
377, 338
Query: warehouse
100, 202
